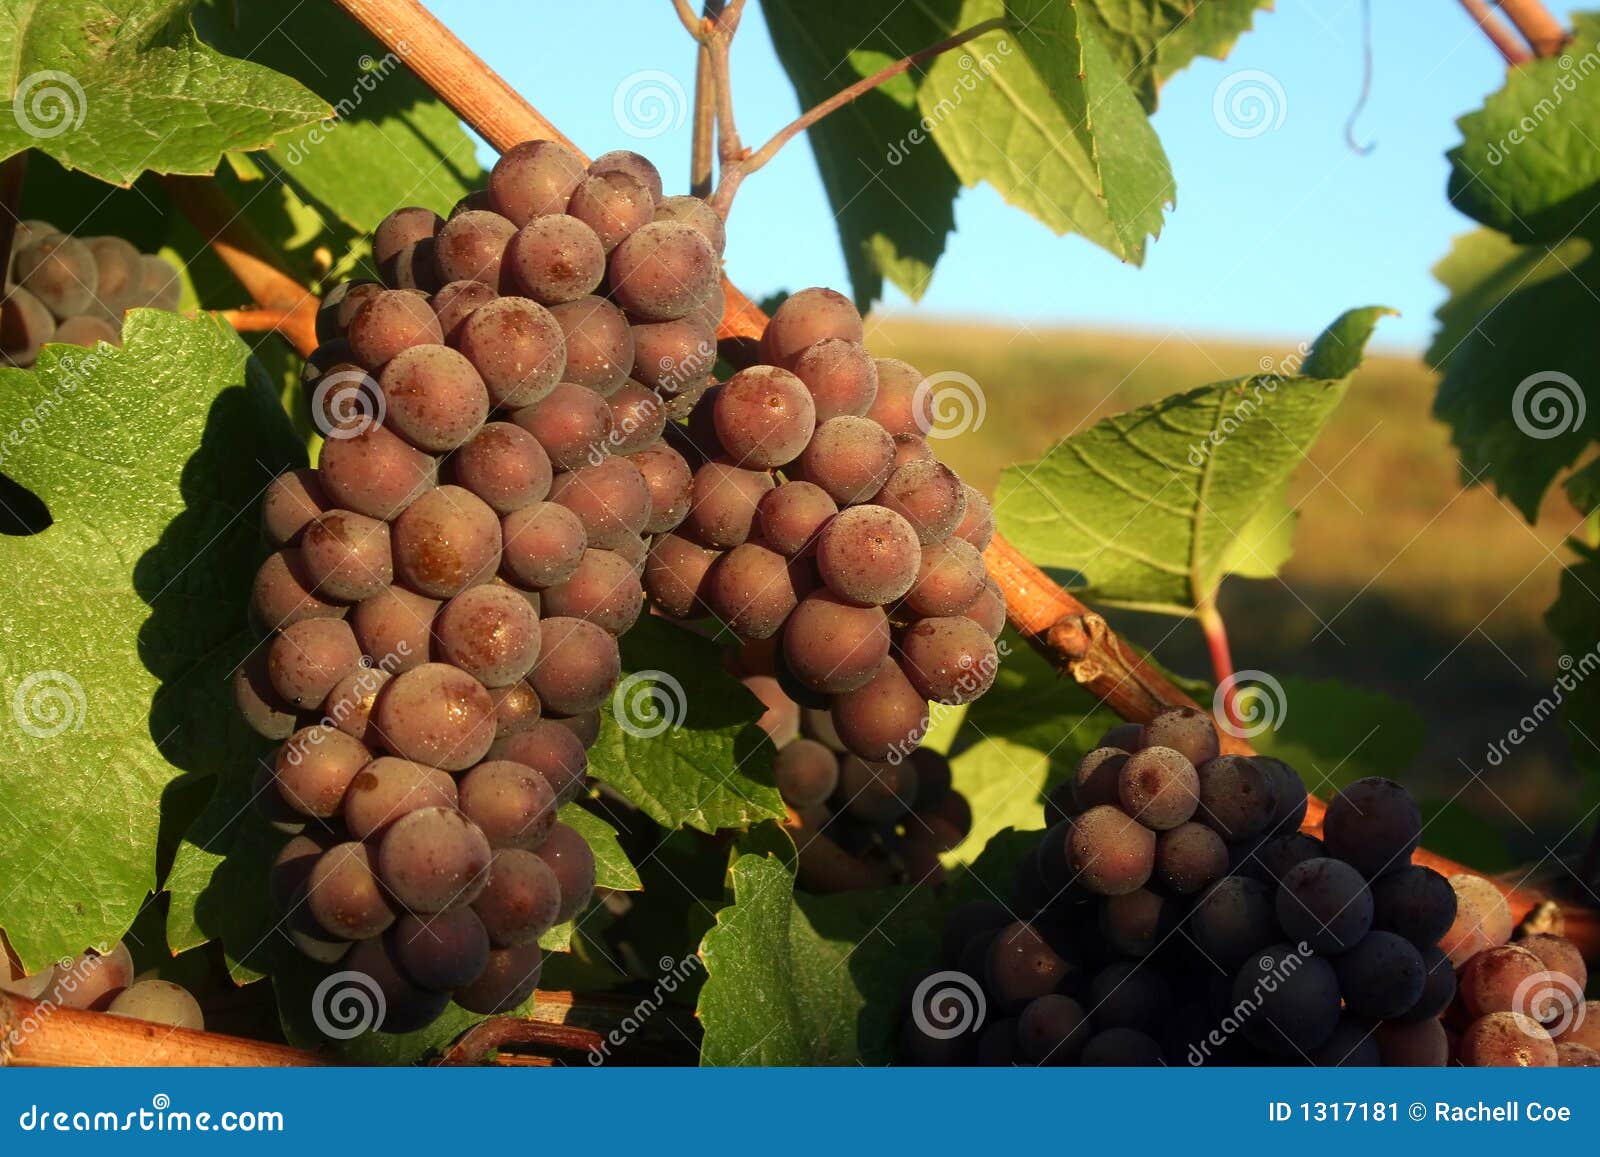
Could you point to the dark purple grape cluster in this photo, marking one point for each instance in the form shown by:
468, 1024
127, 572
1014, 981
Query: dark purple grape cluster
75, 290
448, 585
895, 818
1175, 913
819, 518
102, 982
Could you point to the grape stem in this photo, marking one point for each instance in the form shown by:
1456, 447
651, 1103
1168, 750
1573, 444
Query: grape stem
1048, 617
249, 257
737, 166
702, 150
1499, 35
1542, 31
1216, 633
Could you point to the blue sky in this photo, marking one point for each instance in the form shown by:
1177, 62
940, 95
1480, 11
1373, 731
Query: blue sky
1273, 235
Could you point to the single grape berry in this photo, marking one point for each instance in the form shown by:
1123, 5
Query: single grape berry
599, 344
446, 541
521, 901
604, 589
512, 804
534, 179
950, 660
471, 247
805, 318
555, 259
438, 715
572, 860
578, 665
806, 772
833, 646
388, 788
389, 322
436, 399
550, 750
504, 465
764, 417
433, 859
868, 555
675, 576
851, 458
884, 716
490, 632
662, 271
517, 347
1373, 824
753, 590
1158, 787
722, 504
928, 495
1325, 903
1110, 853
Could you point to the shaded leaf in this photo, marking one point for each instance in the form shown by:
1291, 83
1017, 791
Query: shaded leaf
1515, 347
123, 620
892, 191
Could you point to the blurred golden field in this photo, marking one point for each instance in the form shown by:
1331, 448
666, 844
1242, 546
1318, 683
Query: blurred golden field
1403, 580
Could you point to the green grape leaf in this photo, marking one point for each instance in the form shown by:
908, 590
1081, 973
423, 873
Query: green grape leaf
690, 753
808, 980
1044, 114
1527, 164
1022, 738
892, 191
1574, 618
123, 86
1332, 734
1514, 347
124, 618
612, 868
1152, 39
391, 142
1152, 508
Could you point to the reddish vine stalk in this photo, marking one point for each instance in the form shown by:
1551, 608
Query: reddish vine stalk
1514, 51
